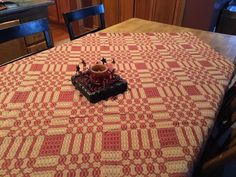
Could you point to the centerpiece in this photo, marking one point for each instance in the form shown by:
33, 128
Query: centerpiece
98, 82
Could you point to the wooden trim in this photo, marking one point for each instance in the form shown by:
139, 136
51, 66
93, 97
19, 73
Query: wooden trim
179, 12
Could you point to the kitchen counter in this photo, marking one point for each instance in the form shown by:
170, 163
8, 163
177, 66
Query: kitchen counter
19, 9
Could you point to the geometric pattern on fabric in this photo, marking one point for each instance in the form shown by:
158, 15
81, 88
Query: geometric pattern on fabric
156, 128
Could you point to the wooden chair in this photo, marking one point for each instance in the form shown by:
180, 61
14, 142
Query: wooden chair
220, 151
26, 29
82, 14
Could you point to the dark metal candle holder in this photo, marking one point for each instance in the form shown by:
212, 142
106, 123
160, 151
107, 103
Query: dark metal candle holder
98, 82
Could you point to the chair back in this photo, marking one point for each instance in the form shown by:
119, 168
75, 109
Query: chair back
26, 29
82, 14
220, 150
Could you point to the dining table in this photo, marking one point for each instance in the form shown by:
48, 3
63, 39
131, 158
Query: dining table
222, 43
176, 76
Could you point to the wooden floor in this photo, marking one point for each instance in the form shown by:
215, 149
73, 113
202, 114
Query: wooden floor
59, 34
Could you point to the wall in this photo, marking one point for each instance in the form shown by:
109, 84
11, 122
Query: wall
198, 14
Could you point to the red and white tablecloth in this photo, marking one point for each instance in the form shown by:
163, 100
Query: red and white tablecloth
156, 128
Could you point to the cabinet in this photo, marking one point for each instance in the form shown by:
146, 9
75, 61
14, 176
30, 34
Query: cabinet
111, 12
144, 9
116, 11
126, 9
35, 43
90, 22
8, 50
56, 10
164, 11
30, 44
53, 13
167, 11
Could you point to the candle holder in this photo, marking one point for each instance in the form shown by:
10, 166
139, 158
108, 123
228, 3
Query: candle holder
98, 82
99, 72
